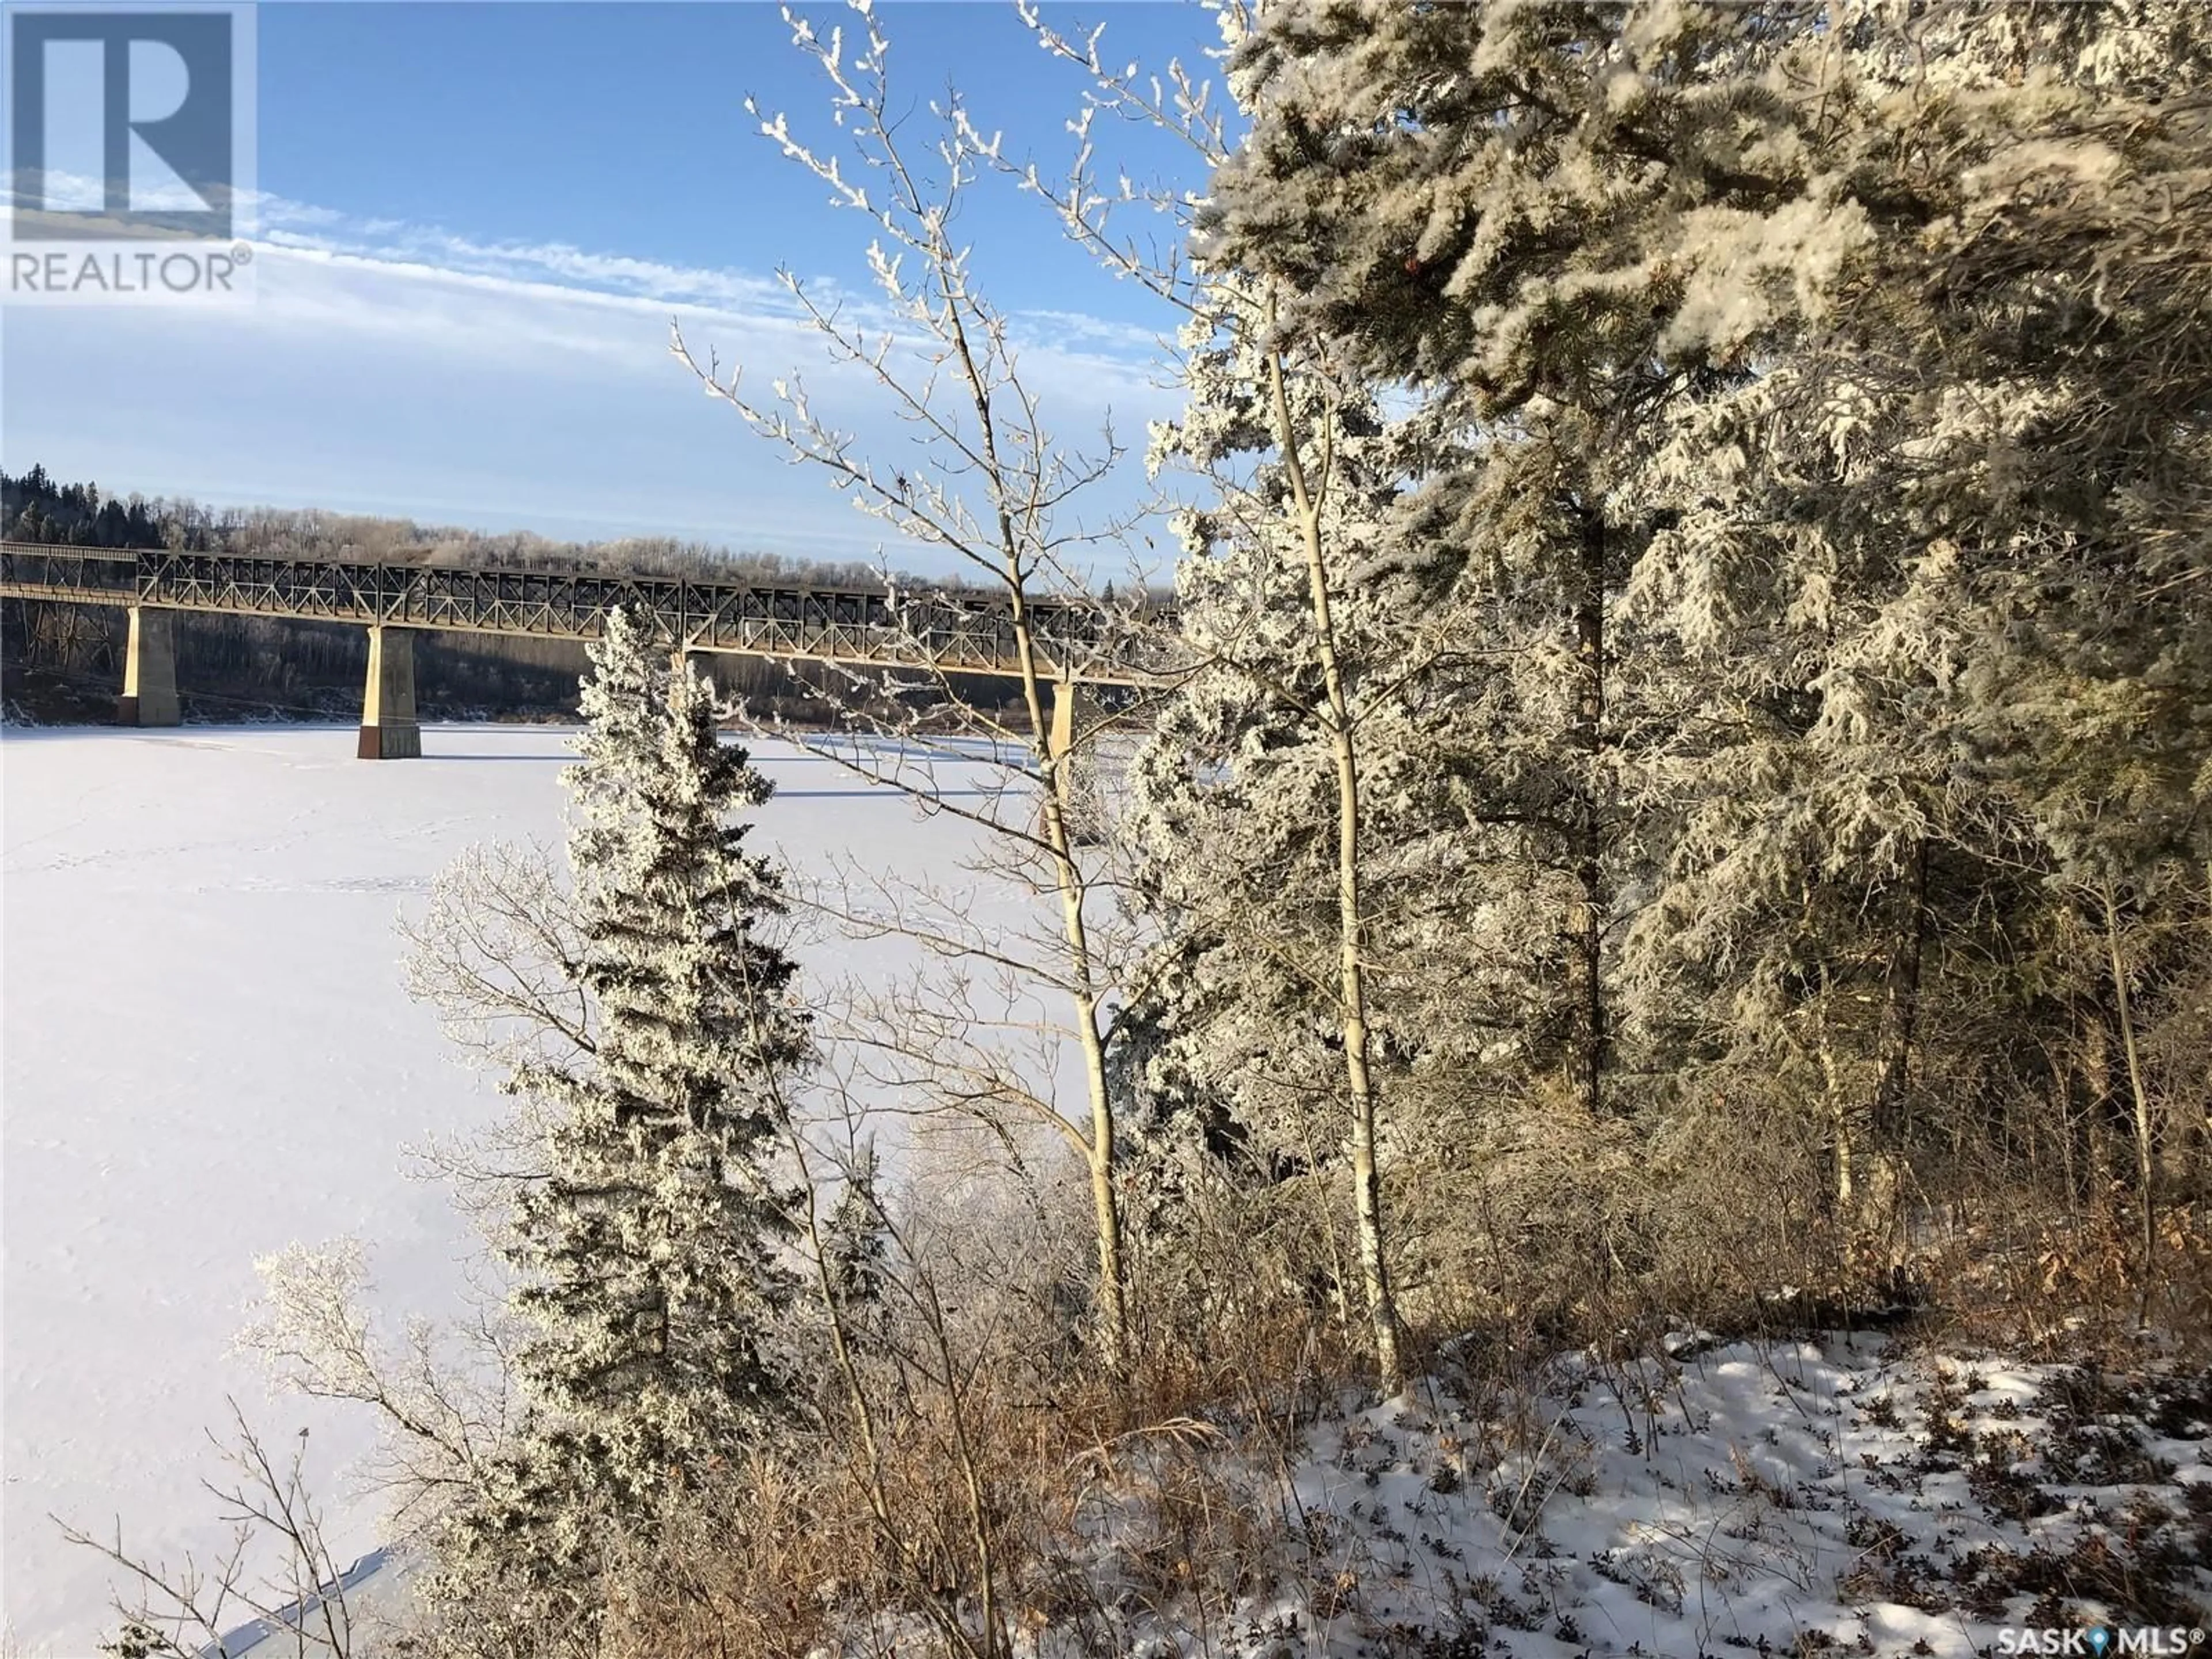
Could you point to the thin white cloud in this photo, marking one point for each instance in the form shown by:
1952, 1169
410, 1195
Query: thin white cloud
491, 382
552, 285
290, 224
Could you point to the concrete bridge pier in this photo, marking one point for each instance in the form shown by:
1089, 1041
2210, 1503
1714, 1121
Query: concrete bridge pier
150, 671
388, 727
1071, 743
701, 662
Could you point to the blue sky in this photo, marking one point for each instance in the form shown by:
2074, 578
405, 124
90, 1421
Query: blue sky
483, 217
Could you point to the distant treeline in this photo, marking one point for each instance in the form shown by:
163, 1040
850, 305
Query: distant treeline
65, 660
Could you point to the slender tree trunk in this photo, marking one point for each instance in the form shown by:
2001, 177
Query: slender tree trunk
1839, 1122
2063, 1105
1901, 1003
2146, 1162
1351, 983
1587, 924
1900, 1018
1060, 840
2094, 1072
1058, 837
2204, 1116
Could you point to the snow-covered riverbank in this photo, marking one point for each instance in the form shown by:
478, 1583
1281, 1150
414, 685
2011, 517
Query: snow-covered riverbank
208, 1055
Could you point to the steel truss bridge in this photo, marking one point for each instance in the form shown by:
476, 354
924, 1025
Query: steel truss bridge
942, 633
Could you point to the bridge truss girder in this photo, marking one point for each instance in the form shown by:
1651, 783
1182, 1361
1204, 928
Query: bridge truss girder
943, 634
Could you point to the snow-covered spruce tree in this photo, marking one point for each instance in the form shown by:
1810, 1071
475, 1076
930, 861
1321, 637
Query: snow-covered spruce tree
855, 1254
1576, 228
648, 1247
1501, 207
1789, 299
1505, 208
1524, 818
1460, 865
1337, 636
1934, 554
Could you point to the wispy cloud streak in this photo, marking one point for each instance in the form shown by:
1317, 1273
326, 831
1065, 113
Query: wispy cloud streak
391, 366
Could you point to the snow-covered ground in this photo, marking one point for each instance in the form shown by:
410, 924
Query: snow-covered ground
1842, 1496
208, 1055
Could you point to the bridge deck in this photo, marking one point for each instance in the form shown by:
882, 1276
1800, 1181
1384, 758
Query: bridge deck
949, 634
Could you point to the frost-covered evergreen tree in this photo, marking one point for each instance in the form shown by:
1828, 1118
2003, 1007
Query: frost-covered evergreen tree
1498, 706
1247, 810
1507, 207
854, 1250
1954, 507
649, 1251
1827, 420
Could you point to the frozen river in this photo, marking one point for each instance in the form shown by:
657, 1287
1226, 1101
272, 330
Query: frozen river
208, 1055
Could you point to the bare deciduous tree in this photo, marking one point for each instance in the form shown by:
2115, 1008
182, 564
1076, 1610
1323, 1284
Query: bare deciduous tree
993, 488
276, 1582
1254, 399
